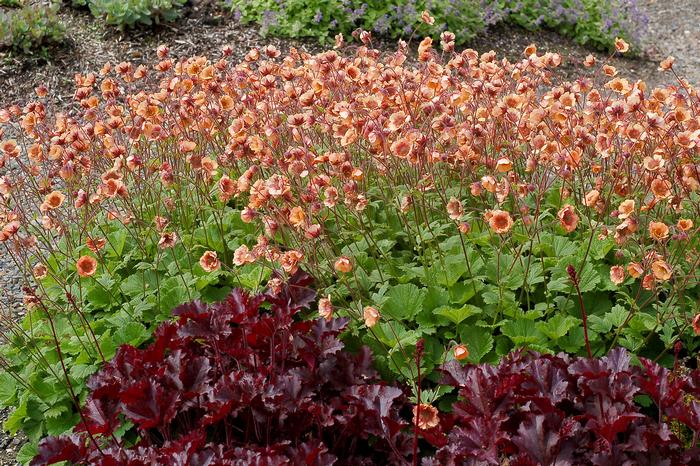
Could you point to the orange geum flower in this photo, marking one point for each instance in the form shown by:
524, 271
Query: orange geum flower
621, 46
617, 274
660, 188
96, 244
290, 261
248, 215
653, 163
227, 188
52, 201
500, 221
371, 316
658, 230
661, 270
209, 261
9, 230
242, 255
684, 224
187, 146
626, 208
696, 324
343, 265
401, 148
425, 416
648, 282
167, 240
504, 165
325, 308
426, 18
397, 120
489, 183
455, 209
39, 271
592, 198
87, 266
461, 352
568, 218
666, 64
635, 269
297, 217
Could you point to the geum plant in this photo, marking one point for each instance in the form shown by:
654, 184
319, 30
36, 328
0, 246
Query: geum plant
445, 200
106, 258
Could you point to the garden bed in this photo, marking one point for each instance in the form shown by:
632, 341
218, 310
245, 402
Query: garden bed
204, 31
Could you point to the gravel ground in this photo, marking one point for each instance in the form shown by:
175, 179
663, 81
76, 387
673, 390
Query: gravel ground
674, 30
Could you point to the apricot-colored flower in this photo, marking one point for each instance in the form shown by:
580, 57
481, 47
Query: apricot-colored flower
661, 269
167, 240
248, 215
568, 218
290, 261
684, 224
227, 188
658, 230
696, 324
187, 146
371, 316
455, 209
9, 230
617, 274
87, 266
39, 271
52, 201
461, 352
325, 308
425, 416
661, 188
666, 64
499, 221
635, 269
242, 255
95, 244
621, 46
343, 265
626, 208
648, 282
209, 261
297, 217
591, 198
426, 18
504, 165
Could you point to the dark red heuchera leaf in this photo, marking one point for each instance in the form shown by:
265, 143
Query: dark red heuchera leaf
536, 409
242, 382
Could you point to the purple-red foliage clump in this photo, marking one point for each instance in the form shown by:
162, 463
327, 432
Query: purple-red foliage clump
556, 410
240, 382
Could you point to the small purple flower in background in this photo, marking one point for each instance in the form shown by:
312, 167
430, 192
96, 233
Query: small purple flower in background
237, 15
381, 25
269, 19
318, 17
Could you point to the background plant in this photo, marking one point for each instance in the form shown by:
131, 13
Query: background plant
130, 13
594, 22
31, 27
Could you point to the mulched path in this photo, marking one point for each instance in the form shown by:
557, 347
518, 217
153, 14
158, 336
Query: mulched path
674, 29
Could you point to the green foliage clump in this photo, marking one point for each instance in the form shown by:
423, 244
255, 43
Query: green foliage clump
30, 28
593, 22
393, 18
129, 13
